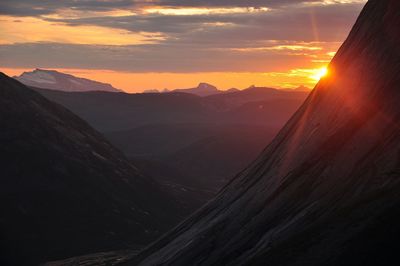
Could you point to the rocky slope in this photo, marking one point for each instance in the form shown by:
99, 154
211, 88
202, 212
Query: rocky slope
326, 191
64, 190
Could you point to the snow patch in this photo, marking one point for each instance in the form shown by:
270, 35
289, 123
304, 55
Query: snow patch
39, 77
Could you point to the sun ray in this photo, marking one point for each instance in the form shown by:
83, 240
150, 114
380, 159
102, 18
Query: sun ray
319, 73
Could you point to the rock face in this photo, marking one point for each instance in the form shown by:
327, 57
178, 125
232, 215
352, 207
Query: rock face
326, 191
64, 190
54, 80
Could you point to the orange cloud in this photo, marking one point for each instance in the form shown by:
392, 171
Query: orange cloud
29, 29
190, 11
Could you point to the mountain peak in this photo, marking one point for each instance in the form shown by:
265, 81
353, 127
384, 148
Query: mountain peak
203, 89
45, 70
55, 80
206, 86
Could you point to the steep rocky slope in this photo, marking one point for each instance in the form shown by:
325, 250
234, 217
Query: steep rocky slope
64, 190
326, 191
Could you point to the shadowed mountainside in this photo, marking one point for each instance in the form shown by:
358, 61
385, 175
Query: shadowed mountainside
206, 156
64, 190
326, 190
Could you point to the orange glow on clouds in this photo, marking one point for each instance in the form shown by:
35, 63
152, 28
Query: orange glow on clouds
19, 30
185, 11
306, 68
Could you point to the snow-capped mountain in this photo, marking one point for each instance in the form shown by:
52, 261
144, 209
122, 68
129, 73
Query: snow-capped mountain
54, 80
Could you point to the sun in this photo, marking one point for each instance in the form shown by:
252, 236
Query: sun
320, 73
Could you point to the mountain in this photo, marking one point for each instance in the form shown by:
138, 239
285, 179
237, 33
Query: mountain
54, 80
326, 191
203, 89
302, 88
231, 90
65, 190
151, 91
222, 152
185, 132
253, 94
109, 112
203, 156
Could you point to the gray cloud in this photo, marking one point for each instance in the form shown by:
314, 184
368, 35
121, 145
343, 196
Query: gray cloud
44, 7
322, 23
146, 58
232, 3
193, 43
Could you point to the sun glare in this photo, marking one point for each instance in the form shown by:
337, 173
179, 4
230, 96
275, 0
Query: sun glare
320, 73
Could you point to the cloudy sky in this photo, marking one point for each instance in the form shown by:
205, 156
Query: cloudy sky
156, 44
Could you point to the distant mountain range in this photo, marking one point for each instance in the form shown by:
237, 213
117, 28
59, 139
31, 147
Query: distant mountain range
205, 89
54, 80
203, 141
110, 112
202, 90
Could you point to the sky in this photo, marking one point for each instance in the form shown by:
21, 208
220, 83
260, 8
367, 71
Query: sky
138, 45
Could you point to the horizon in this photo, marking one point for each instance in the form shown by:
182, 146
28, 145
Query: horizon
171, 44
17, 73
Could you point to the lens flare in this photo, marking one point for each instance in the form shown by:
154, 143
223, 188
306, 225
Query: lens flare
320, 73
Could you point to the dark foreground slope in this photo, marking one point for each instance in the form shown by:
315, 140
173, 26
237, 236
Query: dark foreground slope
64, 190
326, 191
